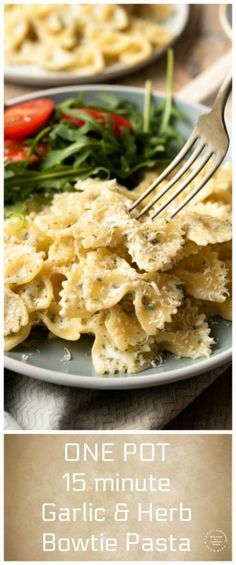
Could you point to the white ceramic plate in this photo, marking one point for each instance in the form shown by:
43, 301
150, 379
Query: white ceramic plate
26, 74
42, 359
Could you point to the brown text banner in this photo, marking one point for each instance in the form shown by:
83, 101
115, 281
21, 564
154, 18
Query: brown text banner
118, 497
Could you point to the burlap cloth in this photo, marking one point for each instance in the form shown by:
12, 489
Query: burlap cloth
36, 405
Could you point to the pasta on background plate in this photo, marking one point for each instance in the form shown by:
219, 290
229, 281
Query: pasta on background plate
83, 38
84, 265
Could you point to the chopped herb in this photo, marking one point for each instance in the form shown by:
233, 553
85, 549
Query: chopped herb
148, 305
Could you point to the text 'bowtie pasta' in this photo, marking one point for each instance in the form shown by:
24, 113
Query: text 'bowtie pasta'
84, 265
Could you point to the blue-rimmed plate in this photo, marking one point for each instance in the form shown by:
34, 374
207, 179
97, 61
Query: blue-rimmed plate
47, 360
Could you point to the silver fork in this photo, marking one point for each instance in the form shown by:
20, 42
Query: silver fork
209, 141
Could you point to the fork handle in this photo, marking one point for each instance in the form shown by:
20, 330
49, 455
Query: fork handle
222, 96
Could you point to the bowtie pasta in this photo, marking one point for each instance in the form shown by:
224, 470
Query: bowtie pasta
85, 265
83, 38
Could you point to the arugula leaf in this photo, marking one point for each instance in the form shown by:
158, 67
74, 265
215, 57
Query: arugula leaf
58, 156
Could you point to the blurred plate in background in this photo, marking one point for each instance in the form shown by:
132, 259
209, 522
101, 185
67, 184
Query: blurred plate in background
26, 74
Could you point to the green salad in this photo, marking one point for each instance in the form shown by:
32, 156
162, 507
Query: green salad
48, 147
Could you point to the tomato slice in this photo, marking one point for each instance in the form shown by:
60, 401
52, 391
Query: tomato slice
118, 121
26, 118
16, 151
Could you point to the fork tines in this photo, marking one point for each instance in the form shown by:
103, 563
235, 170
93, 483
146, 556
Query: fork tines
198, 145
